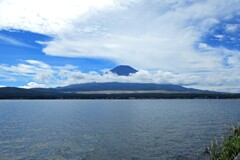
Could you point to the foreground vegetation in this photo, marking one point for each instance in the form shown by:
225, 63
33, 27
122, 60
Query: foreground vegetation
229, 149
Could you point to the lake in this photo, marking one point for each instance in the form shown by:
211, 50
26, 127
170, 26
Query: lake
112, 129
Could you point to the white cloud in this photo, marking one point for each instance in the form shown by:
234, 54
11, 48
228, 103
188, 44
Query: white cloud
33, 85
169, 29
38, 71
44, 16
43, 77
204, 46
54, 76
219, 36
1, 86
68, 77
128, 32
38, 63
29, 67
20, 69
232, 27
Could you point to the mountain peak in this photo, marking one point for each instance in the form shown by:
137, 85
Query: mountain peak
123, 70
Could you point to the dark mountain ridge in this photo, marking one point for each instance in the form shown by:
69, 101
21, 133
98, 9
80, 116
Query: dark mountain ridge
123, 70
18, 93
69, 93
111, 86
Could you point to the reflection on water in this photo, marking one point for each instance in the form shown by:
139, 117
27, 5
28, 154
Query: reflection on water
118, 129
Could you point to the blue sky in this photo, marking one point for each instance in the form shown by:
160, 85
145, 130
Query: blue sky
187, 42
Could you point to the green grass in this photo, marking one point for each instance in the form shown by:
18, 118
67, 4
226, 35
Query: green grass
229, 148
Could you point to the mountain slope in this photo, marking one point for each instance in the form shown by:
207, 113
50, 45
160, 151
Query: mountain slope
18, 93
116, 86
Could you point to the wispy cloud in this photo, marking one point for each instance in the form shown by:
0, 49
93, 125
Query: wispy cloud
128, 32
38, 64
165, 38
13, 41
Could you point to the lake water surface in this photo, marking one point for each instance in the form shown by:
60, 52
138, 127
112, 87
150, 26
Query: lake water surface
112, 129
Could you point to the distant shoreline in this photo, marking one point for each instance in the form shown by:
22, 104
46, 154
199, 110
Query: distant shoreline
18, 93
42, 96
